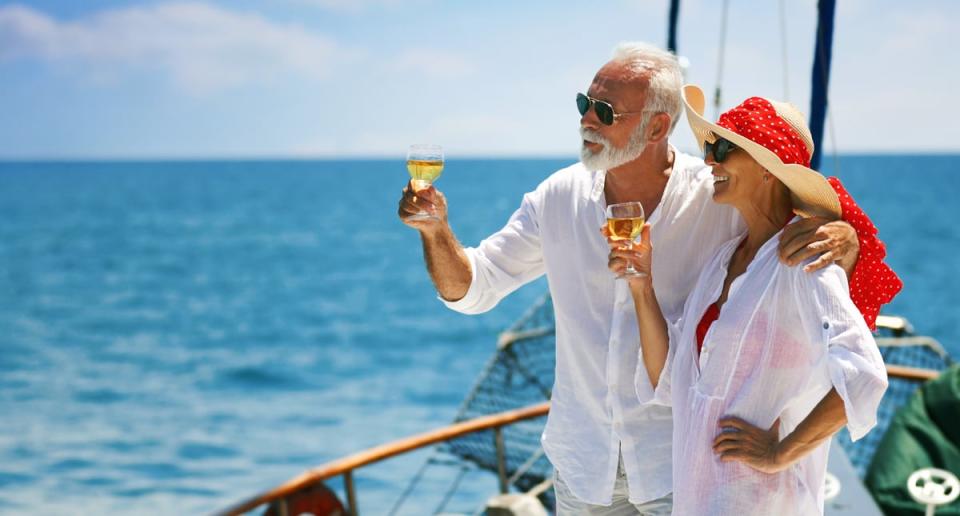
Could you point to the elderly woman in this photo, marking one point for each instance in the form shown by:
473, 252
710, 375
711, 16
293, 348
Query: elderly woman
768, 360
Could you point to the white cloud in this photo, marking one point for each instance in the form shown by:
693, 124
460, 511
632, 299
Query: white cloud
433, 64
200, 47
359, 6
918, 30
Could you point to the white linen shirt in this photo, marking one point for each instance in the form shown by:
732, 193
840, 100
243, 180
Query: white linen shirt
784, 338
595, 414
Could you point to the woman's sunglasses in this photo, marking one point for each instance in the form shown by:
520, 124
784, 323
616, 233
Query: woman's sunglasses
604, 110
721, 148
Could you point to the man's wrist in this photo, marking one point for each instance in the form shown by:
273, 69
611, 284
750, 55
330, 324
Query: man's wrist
435, 232
849, 260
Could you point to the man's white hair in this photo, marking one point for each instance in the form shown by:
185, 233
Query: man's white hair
662, 71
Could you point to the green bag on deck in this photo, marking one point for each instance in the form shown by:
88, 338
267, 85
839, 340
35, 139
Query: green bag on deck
924, 433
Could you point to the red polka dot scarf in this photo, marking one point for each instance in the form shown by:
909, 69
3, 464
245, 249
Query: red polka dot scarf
873, 283
757, 120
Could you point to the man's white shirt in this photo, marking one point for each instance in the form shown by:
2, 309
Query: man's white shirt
595, 414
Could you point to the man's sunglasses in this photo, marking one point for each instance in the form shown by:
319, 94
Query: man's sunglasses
604, 110
720, 148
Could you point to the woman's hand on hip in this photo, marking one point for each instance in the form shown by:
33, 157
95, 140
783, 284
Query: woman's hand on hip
758, 448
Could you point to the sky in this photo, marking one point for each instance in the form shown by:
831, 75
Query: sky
123, 79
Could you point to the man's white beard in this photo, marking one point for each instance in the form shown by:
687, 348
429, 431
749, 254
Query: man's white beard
611, 157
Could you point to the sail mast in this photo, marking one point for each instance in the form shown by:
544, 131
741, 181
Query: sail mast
821, 76
672, 26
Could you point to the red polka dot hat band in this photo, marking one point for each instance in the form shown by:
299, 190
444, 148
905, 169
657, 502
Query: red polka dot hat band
757, 119
774, 134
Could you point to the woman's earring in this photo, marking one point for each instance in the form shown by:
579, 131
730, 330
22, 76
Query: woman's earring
766, 177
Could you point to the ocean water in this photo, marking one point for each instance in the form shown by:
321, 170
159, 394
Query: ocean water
176, 336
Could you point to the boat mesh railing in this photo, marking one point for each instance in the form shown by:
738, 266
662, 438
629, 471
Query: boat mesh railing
519, 374
907, 350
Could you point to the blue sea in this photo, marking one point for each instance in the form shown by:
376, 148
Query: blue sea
177, 336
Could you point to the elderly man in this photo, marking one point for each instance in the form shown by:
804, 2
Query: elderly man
611, 455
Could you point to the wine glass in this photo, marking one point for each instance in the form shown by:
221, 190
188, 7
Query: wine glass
425, 163
625, 222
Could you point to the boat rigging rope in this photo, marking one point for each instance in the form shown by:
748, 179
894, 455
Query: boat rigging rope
525, 467
833, 142
721, 49
410, 487
453, 489
783, 48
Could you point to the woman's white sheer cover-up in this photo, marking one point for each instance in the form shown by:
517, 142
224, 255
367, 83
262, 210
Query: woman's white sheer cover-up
784, 338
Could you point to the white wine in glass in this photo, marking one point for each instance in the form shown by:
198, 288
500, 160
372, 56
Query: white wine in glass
625, 222
425, 163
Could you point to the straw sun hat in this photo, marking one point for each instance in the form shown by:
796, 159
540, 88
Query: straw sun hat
776, 136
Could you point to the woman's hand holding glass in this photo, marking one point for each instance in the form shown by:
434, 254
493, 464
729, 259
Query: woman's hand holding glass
631, 260
624, 224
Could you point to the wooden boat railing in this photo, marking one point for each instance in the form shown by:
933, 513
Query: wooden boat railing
496, 422
346, 465
911, 373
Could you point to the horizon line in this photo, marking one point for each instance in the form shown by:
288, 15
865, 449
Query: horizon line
389, 157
